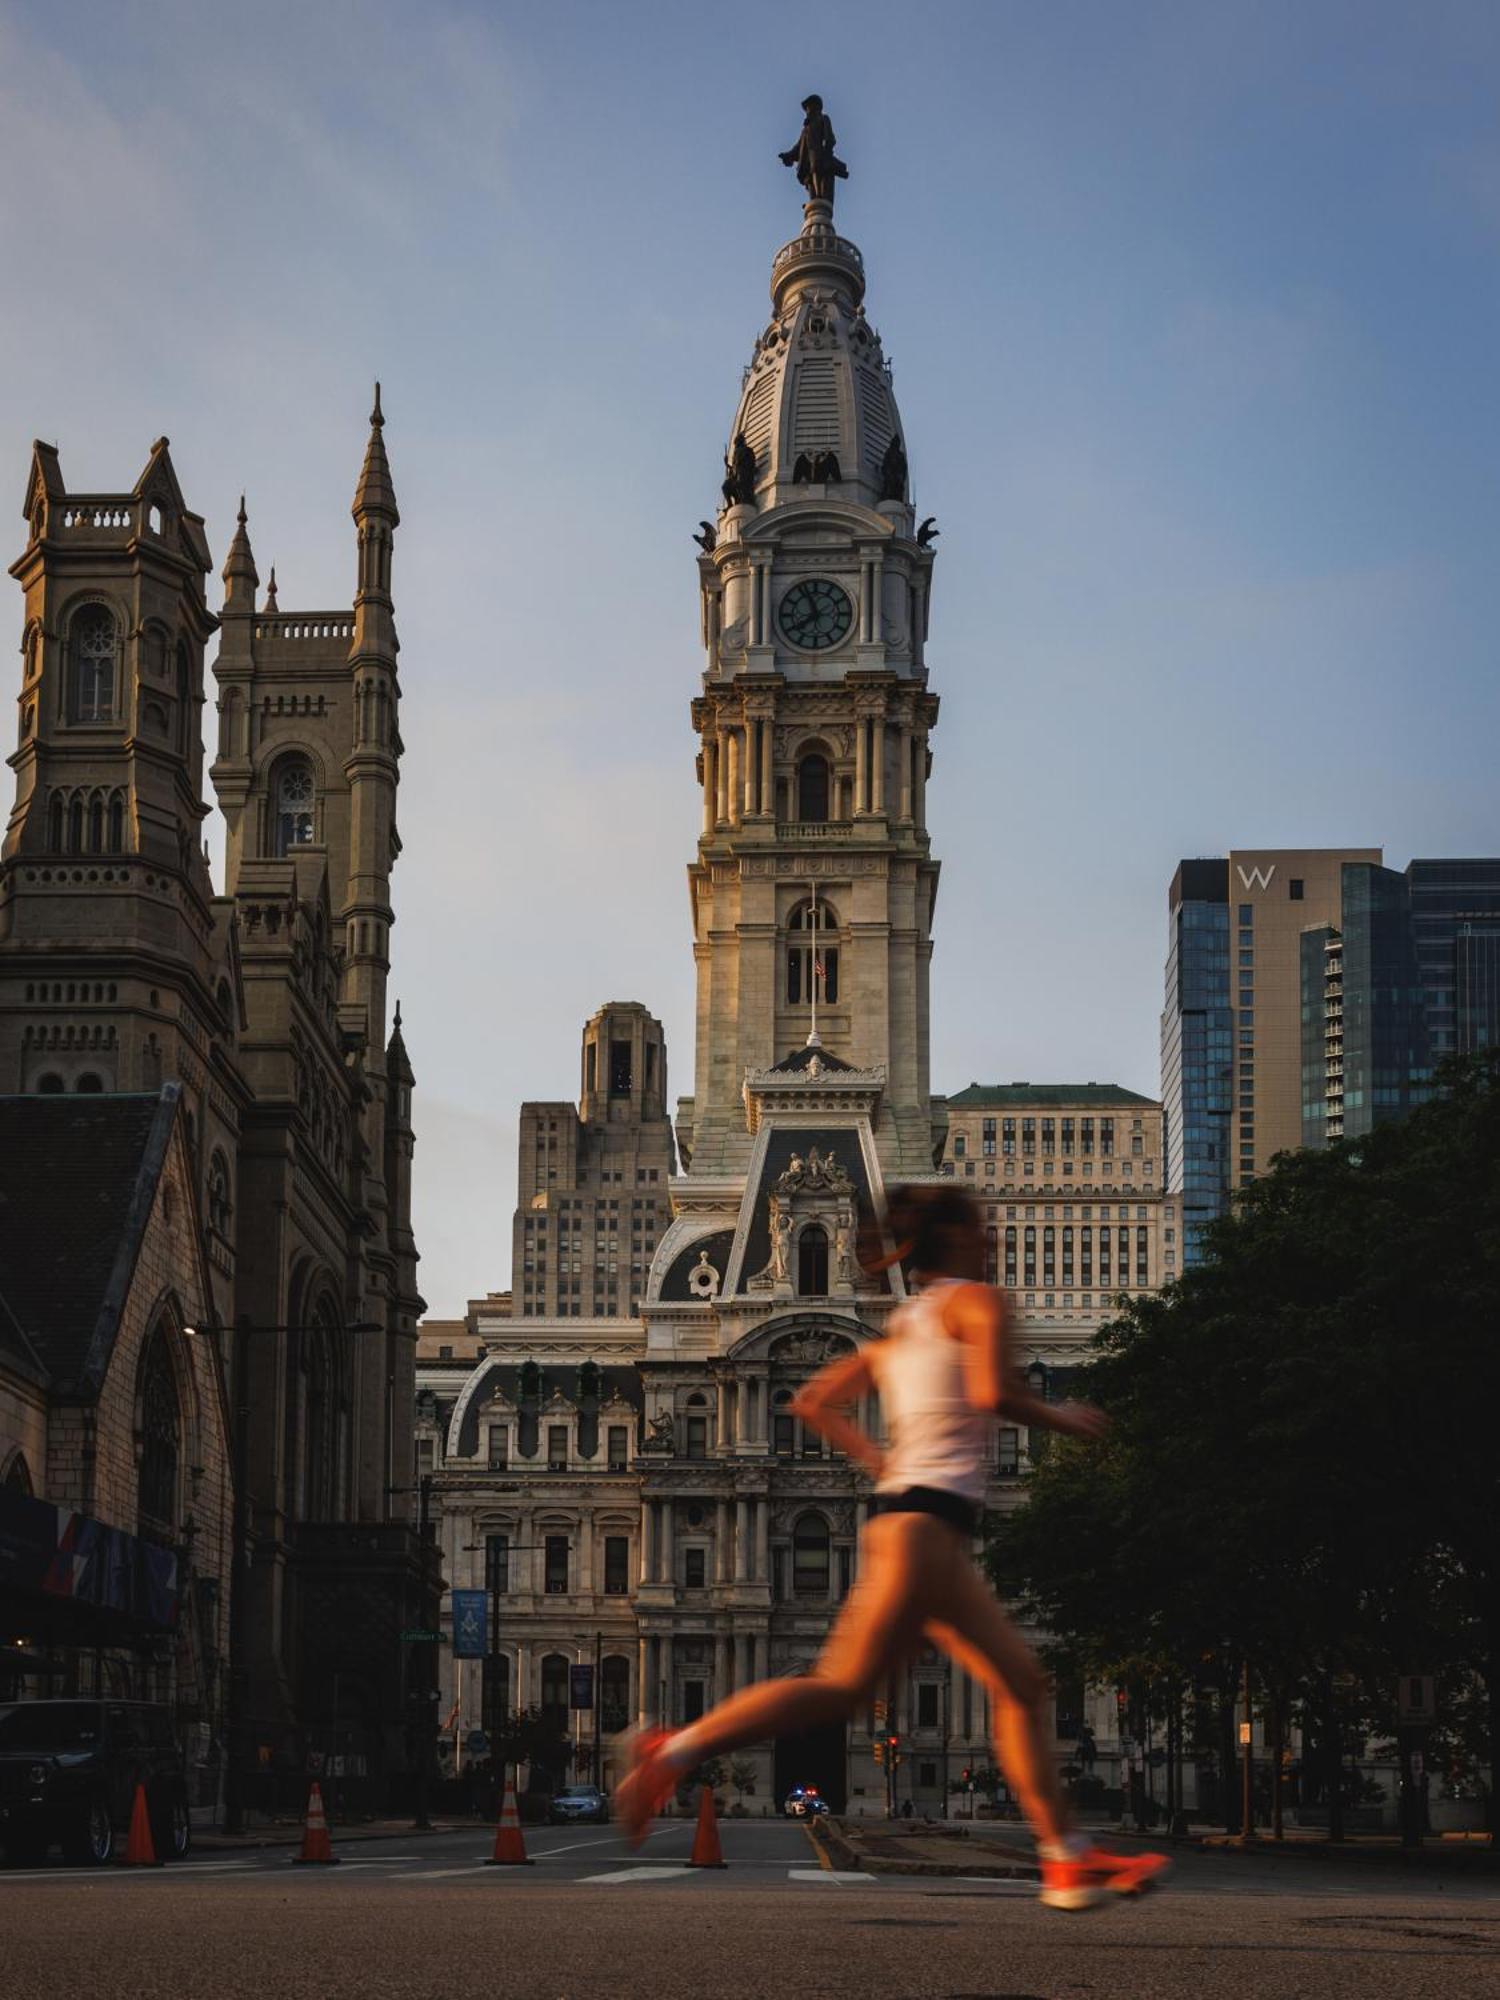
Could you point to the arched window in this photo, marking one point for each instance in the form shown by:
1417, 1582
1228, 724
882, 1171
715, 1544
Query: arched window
555, 1689
90, 1082
91, 653
50, 1084
614, 1693
56, 814
811, 955
320, 1487
117, 823
810, 1565
496, 1695
294, 803
17, 1476
96, 823
220, 1207
812, 1262
783, 1424
75, 824
812, 788
161, 1440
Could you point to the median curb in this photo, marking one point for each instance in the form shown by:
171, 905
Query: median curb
857, 1860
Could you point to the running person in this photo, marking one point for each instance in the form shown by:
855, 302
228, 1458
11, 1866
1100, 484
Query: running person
942, 1374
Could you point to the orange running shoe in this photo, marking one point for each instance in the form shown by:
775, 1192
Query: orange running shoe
646, 1787
1086, 1880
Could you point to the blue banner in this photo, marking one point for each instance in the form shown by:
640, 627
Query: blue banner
468, 1625
580, 1687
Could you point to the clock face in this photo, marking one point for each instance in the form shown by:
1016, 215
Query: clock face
816, 614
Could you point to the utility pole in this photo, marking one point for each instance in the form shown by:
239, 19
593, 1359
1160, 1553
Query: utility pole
1247, 1764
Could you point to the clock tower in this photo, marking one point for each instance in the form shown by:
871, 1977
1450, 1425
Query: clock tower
814, 884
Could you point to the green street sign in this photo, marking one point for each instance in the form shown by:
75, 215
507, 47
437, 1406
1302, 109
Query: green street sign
423, 1638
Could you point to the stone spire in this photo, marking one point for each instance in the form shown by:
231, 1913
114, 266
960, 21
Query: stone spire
239, 572
375, 494
270, 603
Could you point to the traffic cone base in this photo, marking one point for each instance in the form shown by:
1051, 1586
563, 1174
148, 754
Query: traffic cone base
317, 1848
140, 1849
510, 1844
707, 1853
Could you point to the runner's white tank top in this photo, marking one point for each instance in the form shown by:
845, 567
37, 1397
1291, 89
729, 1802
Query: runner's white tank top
938, 1438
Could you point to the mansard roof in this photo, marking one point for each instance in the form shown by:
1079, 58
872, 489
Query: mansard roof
78, 1176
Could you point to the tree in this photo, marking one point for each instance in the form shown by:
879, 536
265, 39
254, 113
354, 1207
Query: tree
742, 1776
1302, 1472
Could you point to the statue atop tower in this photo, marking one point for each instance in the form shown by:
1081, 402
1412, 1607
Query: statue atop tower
818, 166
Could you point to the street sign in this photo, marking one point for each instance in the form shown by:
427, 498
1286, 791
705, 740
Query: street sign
419, 1638
581, 1687
1416, 1699
468, 1624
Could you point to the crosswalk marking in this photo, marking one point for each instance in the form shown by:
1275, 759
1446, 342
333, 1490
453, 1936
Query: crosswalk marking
834, 1875
656, 1873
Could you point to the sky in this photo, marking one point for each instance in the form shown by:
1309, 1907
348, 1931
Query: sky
1194, 312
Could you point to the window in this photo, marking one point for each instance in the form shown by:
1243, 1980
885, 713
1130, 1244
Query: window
987, 1138
619, 1069
783, 1436
811, 959
296, 796
960, 1146
695, 1562
692, 1701
555, 1689
812, 1262
614, 1693
1294, 889
696, 1435
92, 652
927, 1704
1010, 1452
556, 1550
810, 1556
497, 1564
161, 1436
557, 1447
619, 1447
812, 788
616, 1565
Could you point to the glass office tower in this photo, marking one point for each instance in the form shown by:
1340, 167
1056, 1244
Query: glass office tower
1197, 1047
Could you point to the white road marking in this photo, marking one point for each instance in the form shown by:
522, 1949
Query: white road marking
654, 1873
834, 1875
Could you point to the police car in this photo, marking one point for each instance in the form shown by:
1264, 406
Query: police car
803, 1800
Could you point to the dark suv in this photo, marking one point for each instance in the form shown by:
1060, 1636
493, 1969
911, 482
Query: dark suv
68, 1773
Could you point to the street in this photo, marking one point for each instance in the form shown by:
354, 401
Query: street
422, 1915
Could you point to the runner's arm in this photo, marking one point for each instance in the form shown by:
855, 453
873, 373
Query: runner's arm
824, 1401
977, 1315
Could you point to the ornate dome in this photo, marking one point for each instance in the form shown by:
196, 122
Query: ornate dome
817, 406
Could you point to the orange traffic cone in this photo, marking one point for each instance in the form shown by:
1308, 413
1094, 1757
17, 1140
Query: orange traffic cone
510, 1847
707, 1852
317, 1848
140, 1849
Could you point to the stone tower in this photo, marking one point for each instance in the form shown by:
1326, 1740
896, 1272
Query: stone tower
116, 964
814, 882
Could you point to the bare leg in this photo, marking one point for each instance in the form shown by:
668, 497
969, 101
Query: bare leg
976, 1632
876, 1627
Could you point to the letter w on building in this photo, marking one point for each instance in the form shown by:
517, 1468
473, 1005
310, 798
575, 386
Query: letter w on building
1257, 877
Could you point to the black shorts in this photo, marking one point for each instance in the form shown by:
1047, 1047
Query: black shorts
950, 1507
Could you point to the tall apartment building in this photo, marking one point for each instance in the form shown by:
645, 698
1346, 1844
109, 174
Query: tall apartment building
1409, 975
591, 1189
1232, 1088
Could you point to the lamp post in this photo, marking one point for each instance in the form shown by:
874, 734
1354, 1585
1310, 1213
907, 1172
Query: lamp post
492, 1583
242, 1531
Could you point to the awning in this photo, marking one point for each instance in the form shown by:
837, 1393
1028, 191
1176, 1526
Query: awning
54, 1557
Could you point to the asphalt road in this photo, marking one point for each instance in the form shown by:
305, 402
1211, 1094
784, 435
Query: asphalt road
422, 1916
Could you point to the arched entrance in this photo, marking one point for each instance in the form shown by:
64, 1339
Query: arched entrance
818, 1756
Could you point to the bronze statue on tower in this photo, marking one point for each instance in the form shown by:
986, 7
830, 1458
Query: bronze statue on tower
813, 156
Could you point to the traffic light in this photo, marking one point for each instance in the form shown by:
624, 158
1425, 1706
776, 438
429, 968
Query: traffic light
893, 1744
966, 1774
879, 1747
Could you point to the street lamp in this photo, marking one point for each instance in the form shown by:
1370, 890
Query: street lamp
492, 1585
243, 1529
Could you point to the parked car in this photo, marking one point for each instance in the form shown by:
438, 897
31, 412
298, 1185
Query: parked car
803, 1800
577, 1802
68, 1773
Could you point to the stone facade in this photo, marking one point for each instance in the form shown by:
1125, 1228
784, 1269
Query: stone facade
120, 967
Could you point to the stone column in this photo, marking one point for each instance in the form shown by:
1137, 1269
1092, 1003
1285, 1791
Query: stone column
726, 1666
767, 767
762, 1540
648, 1540
722, 1440
721, 777
710, 781
721, 1543
919, 801
741, 1541
736, 794
751, 764
861, 766
668, 1547
653, 1693
877, 762
903, 751
761, 1642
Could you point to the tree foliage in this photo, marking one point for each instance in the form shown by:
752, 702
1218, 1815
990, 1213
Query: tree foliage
1302, 1469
